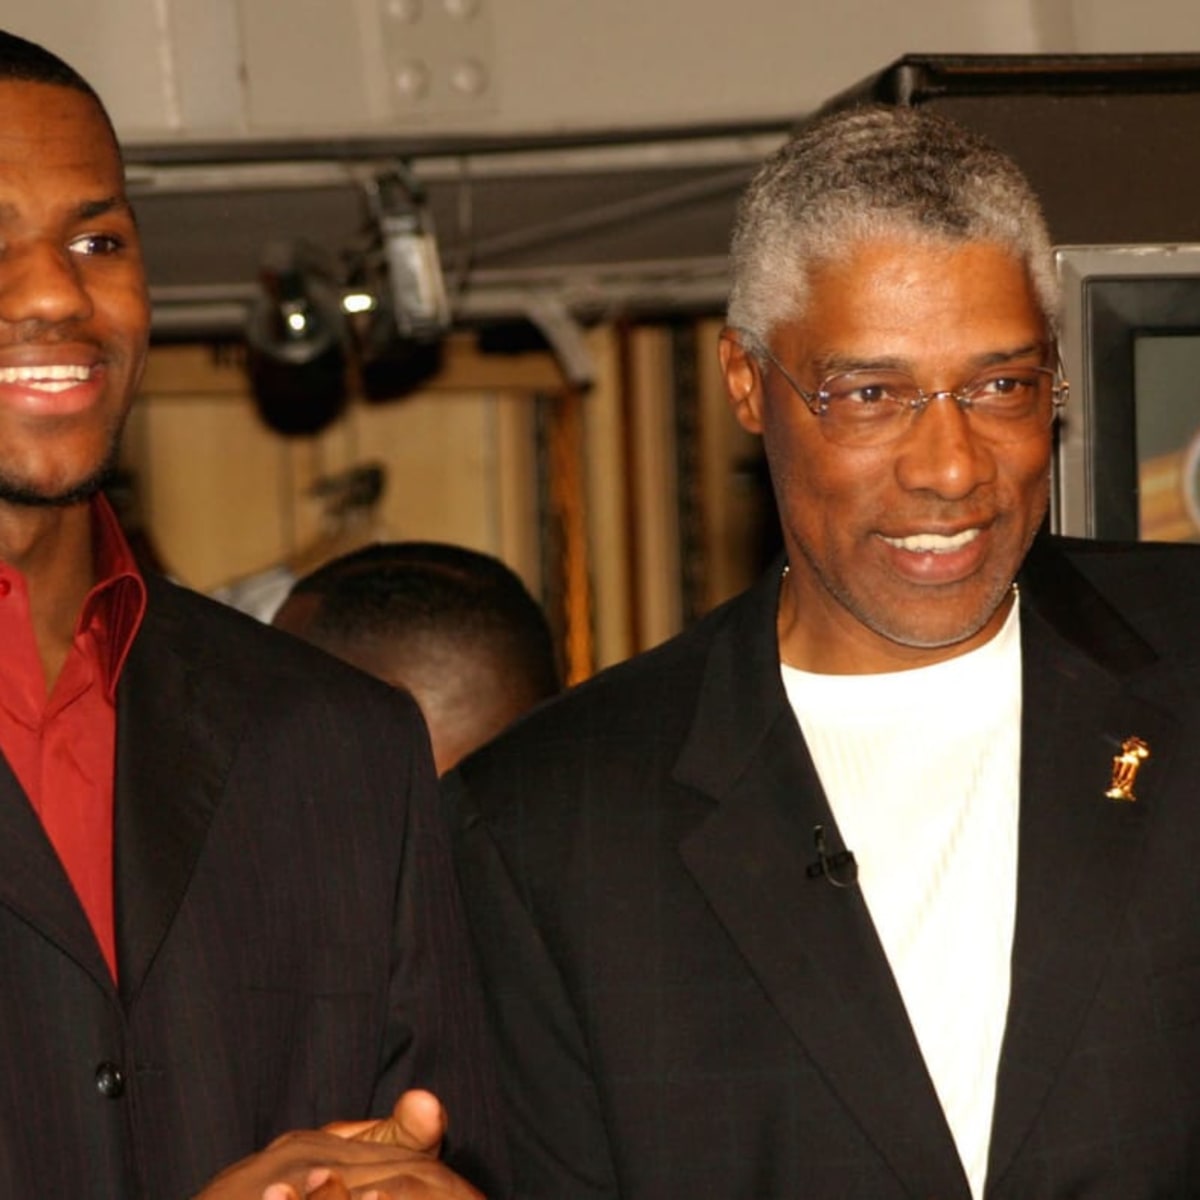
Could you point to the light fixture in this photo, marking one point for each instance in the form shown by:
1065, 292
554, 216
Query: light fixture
386, 301
295, 341
356, 301
418, 289
400, 329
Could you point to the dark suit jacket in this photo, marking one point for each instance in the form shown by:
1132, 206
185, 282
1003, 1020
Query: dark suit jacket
683, 1011
288, 930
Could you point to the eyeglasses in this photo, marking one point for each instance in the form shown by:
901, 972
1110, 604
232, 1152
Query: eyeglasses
874, 407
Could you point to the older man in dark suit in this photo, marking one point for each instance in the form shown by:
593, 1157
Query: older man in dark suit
879, 882
226, 903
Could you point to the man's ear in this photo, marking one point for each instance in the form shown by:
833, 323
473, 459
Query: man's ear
743, 381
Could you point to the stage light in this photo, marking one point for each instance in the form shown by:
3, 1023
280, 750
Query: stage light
356, 302
295, 341
385, 301
398, 339
421, 307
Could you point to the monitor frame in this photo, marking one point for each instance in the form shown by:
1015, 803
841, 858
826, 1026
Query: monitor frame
1112, 295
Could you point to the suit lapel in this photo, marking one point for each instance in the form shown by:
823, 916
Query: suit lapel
811, 945
34, 885
175, 741
1078, 851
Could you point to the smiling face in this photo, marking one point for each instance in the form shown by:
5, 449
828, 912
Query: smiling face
903, 554
74, 314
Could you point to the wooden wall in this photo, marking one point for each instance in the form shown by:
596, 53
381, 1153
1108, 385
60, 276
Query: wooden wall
584, 495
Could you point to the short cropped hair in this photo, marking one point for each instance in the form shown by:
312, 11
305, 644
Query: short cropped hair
867, 173
25, 61
432, 590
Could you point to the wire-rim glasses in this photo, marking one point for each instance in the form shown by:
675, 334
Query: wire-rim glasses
872, 407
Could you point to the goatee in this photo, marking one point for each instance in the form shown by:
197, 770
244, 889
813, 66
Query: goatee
20, 495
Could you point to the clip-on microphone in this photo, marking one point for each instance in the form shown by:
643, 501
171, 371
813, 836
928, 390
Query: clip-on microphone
839, 868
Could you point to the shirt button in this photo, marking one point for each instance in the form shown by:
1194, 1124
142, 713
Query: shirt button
5, 587
110, 1081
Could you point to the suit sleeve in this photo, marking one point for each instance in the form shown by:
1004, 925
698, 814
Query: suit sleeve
557, 1140
437, 1035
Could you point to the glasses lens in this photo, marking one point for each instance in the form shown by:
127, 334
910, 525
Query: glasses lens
867, 408
1012, 403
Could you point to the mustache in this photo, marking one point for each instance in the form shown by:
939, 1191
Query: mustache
35, 332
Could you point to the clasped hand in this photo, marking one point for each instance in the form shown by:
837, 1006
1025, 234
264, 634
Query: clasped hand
353, 1160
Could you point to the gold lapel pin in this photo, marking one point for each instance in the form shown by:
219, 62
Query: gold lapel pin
1125, 767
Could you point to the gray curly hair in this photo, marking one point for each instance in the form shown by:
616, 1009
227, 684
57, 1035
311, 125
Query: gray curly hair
870, 172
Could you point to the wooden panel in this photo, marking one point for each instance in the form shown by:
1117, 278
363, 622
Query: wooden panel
442, 460
607, 501
655, 486
517, 498
212, 484
223, 496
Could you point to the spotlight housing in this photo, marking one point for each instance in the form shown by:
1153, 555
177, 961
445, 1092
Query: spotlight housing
295, 335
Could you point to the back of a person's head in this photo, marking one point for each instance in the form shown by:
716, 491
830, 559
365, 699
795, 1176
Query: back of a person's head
455, 626
408, 590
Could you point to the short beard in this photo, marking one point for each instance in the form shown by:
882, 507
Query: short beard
18, 495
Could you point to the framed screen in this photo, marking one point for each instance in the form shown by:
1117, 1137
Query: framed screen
1128, 456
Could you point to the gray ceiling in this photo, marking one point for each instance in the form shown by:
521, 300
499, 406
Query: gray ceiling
607, 226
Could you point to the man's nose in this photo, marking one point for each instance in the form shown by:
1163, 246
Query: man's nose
940, 453
42, 283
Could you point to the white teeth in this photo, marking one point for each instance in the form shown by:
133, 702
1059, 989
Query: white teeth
55, 377
933, 543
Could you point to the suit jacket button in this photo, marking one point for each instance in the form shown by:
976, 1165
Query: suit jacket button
110, 1081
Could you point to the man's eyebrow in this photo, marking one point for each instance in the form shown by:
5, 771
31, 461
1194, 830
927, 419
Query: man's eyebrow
90, 209
999, 357
839, 364
85, 210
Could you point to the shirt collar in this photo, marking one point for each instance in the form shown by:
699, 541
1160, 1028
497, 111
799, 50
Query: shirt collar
114, 608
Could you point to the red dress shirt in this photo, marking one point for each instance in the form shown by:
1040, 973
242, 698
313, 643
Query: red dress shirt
62, 746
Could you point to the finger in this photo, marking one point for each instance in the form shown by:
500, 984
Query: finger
323, 1184
320, 1184
418, 1123
421, 1115
350, 1130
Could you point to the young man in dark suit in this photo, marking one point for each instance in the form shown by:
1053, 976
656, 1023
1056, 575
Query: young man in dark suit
880, 881
226, 904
